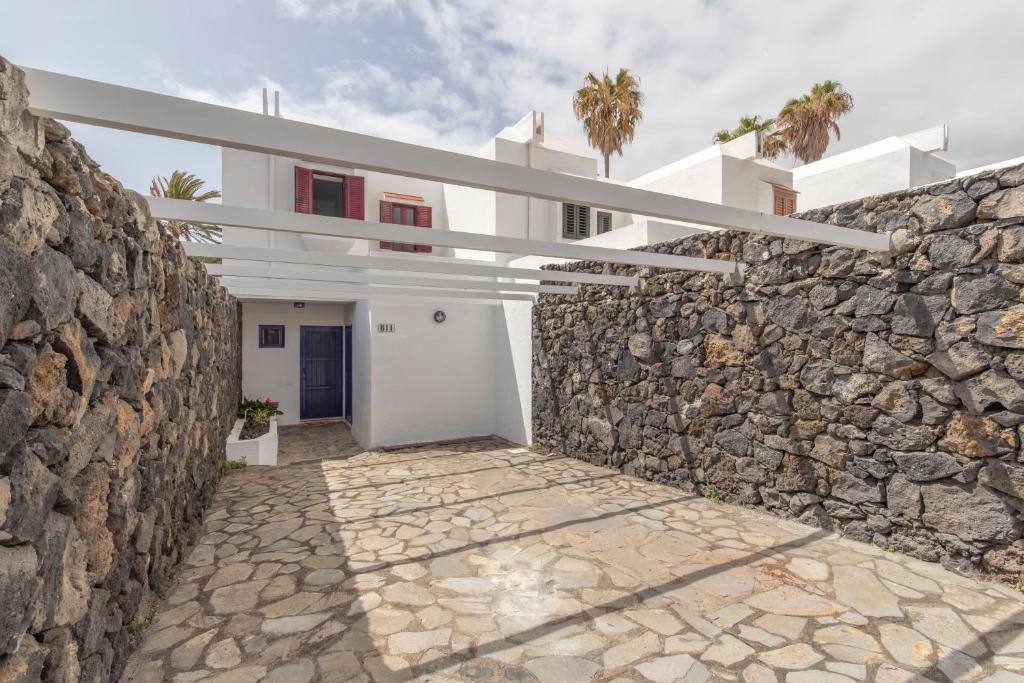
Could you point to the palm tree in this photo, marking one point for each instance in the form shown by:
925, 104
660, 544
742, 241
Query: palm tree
610, 111
183, 185
773, 143
807, 122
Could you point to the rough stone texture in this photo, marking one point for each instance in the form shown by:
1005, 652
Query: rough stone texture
880, 395
119, 381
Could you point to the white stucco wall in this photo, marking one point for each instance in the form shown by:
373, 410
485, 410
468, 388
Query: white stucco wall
428, 381
275, 372
888, 165
362, 380
513, 371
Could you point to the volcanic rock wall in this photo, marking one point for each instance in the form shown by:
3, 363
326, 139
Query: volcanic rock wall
119, 380
879, 395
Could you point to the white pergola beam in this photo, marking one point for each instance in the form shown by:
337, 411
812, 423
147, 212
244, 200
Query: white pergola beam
272, 296
102, 104
301, 292
310, 276
400, 263
312, 224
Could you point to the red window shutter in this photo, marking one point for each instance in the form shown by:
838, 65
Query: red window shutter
355, 197
424, 219
385, 217
303, 190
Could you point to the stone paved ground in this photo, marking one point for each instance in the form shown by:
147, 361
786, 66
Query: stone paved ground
484, 562
318, 441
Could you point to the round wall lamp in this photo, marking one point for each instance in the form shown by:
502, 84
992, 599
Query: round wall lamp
440, 316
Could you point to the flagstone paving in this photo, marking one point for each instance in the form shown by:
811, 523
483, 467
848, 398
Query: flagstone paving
481, 562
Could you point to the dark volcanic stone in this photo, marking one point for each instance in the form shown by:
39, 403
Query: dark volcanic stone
923, 466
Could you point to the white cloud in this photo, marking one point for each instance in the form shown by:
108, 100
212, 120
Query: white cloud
356, 96
702, 65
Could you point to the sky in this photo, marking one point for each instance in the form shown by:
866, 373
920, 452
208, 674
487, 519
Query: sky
453, 73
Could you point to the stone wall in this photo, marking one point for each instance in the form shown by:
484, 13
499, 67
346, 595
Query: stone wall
878, 395
119, 379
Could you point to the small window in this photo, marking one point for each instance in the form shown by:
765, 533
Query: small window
405, 214
784, 202
328, 198
575, 221
604, 222
271, 336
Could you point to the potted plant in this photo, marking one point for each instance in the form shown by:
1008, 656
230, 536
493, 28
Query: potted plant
254, 436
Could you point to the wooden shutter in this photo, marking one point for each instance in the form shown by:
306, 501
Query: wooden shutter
385, 217
424, 219
303, 190
355, 197
583, 226
569, 221
784, 201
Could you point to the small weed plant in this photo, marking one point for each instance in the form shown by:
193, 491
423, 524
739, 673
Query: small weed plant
712, 493
233, 465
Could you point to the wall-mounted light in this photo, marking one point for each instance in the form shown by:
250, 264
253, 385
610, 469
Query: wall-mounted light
299, 304
439, 316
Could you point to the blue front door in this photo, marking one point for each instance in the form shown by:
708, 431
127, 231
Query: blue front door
320, 361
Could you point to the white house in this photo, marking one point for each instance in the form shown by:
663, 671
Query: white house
389, 366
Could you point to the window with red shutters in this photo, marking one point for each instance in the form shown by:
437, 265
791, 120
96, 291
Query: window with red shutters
385, 217
424, 219
303, 190
330, 194
355, 197
405, 214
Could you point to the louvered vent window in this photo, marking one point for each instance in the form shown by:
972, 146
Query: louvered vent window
604, 222
575, 221
784, 201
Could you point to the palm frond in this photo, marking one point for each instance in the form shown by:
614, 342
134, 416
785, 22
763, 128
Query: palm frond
187, 186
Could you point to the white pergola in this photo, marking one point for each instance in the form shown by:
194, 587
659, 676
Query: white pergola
340, 277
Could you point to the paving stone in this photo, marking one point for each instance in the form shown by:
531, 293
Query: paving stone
796, 656
409, 642
283, 626
563, 669
631, 650
944, 626
906, 646
727, 651
658, 620
791, 601
759, 673
860, 589
673, 669
787, 627
299, 671
223, 654
847, 643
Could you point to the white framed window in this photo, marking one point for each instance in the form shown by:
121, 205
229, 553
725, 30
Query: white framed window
575, 221
604, 222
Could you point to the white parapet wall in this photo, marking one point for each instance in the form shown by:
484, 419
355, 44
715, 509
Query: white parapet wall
895, 163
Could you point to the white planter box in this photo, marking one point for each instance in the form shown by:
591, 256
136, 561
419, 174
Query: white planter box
259, 451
